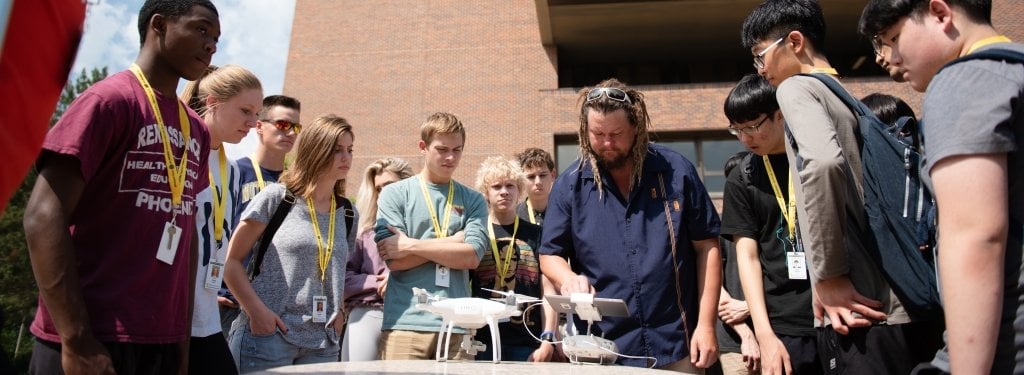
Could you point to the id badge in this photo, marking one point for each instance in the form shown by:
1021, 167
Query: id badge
442, 276
797, 265
168, 243
319, 309
214, 275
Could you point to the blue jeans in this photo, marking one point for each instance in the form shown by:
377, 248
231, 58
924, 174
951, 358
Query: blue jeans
257, 353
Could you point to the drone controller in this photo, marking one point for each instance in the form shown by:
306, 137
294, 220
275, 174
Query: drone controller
588, 348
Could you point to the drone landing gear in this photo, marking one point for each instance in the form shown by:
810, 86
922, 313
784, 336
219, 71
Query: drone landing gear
468, 345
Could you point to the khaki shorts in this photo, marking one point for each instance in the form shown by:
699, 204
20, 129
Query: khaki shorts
396, 344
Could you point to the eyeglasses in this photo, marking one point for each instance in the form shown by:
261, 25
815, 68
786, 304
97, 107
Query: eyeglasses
881, 49
285, 125
610, 92
748, 130
759, 58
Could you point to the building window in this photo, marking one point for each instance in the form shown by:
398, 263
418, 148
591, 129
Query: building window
707, 151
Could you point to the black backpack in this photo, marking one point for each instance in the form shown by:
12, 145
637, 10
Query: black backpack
253, 269
897, 206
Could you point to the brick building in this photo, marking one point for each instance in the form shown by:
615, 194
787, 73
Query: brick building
511, 69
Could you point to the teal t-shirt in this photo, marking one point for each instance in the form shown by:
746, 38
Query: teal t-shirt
402, 206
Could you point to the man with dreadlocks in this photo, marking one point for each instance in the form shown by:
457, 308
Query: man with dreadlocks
636, 223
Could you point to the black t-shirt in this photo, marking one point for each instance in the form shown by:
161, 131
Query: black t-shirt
523, 278
751, 210
728, 340
524, 213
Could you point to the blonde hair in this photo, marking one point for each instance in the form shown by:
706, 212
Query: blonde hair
366, 200
636, 113
441, 123
314, 153
221, 84
496, 169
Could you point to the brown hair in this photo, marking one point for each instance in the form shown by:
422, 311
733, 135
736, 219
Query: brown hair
314, 152
441, 123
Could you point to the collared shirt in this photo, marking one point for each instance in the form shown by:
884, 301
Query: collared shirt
622, 247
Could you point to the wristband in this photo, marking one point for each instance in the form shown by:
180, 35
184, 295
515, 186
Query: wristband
548, 336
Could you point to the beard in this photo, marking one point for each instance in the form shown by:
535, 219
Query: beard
616, 161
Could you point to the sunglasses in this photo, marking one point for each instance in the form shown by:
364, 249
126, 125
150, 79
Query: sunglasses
610, 92
285, 125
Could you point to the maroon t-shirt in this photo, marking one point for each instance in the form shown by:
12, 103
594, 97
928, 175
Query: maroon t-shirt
116, 228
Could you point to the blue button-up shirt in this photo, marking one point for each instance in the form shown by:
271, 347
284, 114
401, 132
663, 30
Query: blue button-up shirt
622, 247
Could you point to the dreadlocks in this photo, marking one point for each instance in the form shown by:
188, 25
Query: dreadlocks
636, 113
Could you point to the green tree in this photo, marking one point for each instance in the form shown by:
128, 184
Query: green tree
17, 285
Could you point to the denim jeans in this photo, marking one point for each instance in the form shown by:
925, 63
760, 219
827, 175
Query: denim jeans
257, 353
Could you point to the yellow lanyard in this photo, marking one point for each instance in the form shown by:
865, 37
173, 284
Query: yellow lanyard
259, 173
175, 172
831, 71
500, 269
323, 251
987, 41
219, 203
447, 209
529, 210
788, 212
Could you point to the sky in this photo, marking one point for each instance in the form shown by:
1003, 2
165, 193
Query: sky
254, 34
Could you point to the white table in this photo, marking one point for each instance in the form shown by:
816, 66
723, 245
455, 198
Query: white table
461, 368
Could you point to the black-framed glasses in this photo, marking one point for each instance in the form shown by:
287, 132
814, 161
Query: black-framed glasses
748, 130
759, 58
612, 93
285, 125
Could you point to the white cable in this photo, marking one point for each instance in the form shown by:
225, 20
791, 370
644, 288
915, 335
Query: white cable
624, 355
525, 312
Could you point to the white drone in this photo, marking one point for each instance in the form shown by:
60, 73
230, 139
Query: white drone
470, 314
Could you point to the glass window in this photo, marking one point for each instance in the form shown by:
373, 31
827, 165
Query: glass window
707, 152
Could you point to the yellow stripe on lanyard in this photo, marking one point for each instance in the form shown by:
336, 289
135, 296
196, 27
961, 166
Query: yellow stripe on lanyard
502, 269
323, 251
433, 214
259, 172
219, 203
175, 172
789, 213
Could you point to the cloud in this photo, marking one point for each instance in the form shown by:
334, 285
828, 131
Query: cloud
254, 34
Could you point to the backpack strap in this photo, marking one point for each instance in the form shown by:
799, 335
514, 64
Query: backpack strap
855, 105
268, 234
350, 213
997, 54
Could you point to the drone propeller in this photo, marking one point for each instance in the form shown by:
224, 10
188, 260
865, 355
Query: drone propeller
518, 298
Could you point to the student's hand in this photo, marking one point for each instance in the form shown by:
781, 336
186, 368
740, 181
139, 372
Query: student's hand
774, 356
394, 247
86, 356
263, 322
703, 347
840, 300
226, 302
578, 284
382, 285
458, 237
751, 352
733, 311
544, 353
339, 322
